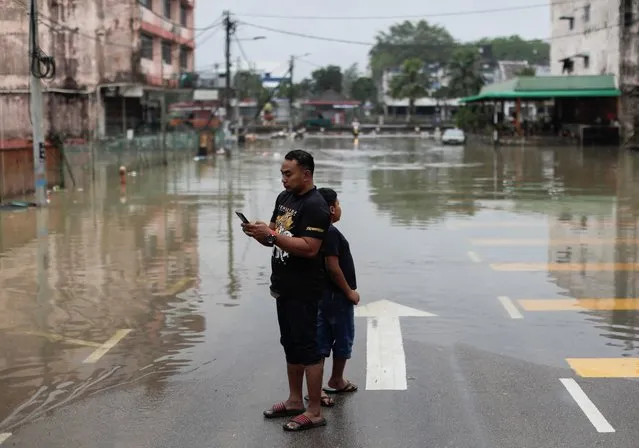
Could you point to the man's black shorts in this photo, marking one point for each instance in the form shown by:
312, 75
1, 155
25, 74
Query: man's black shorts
298, 329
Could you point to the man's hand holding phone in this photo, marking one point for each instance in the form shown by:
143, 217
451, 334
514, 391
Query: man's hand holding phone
258, 230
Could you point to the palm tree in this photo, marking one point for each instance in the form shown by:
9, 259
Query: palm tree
465, 79
410, 83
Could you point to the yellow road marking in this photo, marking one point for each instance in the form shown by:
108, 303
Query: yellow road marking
564, 267
108, 345
178, 287
57, 337
549, 242
579, 304
605, 367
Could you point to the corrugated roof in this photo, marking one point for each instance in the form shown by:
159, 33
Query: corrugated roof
506, 86
594, 82
549, 86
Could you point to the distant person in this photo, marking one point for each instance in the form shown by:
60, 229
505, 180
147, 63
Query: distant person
336, 322
298, 227
355, 125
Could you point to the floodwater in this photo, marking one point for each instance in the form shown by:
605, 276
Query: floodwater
526, 254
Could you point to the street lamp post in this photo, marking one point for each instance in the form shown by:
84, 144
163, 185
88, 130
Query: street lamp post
291, 97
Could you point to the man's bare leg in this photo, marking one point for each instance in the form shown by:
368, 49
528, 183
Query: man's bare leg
314, 376
337, 380
295, 373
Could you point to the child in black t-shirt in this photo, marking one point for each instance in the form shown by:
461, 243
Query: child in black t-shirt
336, 320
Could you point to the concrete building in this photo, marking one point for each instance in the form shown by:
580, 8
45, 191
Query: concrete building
596, 38
111, 56
585, 37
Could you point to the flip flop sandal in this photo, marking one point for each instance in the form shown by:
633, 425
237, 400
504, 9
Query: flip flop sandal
350, 387
326, 402
279, 410
302, 423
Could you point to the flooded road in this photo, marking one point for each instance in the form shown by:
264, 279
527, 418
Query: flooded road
141, 316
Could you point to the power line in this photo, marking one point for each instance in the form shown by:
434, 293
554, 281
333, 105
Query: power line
309, 63
239, 46
414, 16
174, 23
214, 26
408, 44
207, 38
308, 36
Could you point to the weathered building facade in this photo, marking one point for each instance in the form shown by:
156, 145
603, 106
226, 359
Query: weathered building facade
592, 37
111, 56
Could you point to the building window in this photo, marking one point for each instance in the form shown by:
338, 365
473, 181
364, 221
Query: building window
183, 15
587, 13
627, 13
146, 3
167, 9
146, 46
184, 57
586, 61
166, 51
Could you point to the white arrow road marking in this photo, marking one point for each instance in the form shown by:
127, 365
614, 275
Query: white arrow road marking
4, 436
587, 406
385, 358
510, 307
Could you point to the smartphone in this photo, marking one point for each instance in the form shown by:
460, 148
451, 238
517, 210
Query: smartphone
242, 217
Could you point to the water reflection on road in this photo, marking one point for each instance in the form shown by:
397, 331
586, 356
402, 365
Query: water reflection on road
165, 258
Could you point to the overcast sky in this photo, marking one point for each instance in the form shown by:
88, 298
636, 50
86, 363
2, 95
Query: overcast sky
274, 51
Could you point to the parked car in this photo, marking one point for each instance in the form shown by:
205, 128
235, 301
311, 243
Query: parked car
453, 137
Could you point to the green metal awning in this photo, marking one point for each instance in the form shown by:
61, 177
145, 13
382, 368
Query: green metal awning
542, 87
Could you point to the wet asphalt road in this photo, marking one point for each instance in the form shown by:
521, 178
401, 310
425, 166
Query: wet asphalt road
467, 234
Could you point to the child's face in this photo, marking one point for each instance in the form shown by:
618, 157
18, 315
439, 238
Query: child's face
336, 211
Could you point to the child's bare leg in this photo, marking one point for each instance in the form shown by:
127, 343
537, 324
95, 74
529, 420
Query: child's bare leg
337, 380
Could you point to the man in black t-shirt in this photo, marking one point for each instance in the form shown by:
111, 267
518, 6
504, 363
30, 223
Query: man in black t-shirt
298, 226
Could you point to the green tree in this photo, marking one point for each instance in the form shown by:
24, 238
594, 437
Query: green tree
514, 48
465, 78
350, 76
411, 83
407, 40
364, 89
327, 78
302, 89
526, 71
248, 84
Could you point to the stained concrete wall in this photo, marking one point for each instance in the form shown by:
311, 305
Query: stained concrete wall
597, 36
70, 115
92, 42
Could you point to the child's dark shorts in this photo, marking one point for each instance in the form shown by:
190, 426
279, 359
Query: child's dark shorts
335, 325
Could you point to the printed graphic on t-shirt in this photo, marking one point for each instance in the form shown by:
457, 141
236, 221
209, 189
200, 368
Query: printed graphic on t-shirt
283, 225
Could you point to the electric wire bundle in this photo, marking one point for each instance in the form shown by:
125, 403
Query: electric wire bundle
42, 65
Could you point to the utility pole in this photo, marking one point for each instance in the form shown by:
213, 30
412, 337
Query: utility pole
238, 117
229, 26
36, 63
165, 161
37, 113
291, 96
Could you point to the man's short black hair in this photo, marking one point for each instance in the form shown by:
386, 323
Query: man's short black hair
329, 195
303, 159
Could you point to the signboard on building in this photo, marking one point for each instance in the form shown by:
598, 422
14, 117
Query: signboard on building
205, 95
